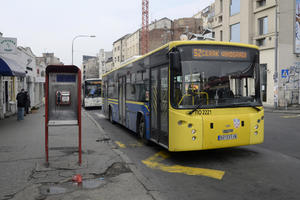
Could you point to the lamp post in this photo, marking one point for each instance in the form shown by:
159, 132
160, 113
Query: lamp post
92, 36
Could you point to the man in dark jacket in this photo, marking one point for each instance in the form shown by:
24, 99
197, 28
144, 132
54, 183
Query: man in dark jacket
27, 105
21, 98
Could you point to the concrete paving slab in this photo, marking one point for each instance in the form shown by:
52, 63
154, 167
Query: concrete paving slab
106, 172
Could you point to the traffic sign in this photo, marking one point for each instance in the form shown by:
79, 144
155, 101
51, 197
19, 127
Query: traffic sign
284, 73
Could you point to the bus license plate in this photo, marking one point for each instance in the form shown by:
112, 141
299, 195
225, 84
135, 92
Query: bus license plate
227, 137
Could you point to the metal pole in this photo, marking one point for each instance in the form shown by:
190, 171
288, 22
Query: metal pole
276, 63
79, 120
74, 40
298, 85
46, 120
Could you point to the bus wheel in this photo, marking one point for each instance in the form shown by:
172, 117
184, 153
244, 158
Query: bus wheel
142, 130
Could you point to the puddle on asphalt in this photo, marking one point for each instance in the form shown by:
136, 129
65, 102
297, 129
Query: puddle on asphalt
55, 190
71, 186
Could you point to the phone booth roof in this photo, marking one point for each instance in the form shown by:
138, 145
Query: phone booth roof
62, 69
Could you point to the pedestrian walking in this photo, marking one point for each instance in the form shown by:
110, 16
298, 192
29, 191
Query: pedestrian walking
27, 105
21, 99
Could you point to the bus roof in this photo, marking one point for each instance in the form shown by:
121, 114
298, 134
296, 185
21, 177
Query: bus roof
187, 42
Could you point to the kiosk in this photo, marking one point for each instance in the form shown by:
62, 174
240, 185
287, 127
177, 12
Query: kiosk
63, 101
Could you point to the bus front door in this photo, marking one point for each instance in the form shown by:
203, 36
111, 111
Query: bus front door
122, 99
159, 105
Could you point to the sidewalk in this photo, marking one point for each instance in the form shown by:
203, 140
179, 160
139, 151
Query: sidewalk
107, 173
287, 110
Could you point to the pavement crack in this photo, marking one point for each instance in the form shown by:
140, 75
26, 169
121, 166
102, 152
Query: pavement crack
9, 196
31, 175
24, 159
104, 140
113, 170
12, 195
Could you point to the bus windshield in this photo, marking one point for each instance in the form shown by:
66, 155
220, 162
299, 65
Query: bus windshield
211, 81
92, 90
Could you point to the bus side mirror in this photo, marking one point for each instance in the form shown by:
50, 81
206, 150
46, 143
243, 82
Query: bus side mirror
175, 60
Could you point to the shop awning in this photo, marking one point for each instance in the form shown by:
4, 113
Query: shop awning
9, 67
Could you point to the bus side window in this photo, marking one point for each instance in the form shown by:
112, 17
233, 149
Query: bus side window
130, 92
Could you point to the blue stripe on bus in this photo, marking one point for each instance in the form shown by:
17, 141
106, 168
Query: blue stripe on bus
131, 115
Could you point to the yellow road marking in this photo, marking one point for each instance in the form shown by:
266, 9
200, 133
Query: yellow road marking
290, 116
153, 162
121, 145
138, 144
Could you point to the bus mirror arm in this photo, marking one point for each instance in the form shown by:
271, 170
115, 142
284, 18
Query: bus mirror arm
175, 60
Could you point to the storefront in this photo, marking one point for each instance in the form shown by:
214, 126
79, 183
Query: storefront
11, 81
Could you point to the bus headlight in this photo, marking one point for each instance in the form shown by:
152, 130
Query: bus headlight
194, 138
256, 126
193, 131
180, 122
255, 133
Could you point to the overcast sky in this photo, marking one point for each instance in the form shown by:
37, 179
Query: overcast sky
50, 25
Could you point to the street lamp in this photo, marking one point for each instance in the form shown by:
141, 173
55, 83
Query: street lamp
92, 36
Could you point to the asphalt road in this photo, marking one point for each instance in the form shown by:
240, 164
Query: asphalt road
265, 171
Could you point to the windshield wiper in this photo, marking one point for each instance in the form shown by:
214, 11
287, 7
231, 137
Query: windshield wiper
196, 108
250, 105
255, 108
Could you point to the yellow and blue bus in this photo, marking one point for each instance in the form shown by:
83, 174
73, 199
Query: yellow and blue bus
189, 95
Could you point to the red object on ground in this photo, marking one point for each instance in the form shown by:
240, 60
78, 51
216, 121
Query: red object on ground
77, 178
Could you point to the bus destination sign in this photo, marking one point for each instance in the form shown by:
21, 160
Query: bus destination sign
94, 82
202, 53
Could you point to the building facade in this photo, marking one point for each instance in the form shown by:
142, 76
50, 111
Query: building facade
21, 69
257, 22
102, 58
90, 67
133, 45
207, 16
50, 59
186, 27
160, 33
119, 50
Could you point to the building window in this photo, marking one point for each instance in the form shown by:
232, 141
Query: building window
221, 5
221, 35
234, 7
220, 19
260, 3
263, 25
261, 42
263, 78
235, 33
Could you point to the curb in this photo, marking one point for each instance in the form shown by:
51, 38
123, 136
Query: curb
283, 111
140, 177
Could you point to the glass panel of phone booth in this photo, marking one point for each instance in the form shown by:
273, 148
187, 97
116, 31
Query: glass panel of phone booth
63, 92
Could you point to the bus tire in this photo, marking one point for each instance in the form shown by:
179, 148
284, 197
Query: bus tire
110, 116
141, 130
